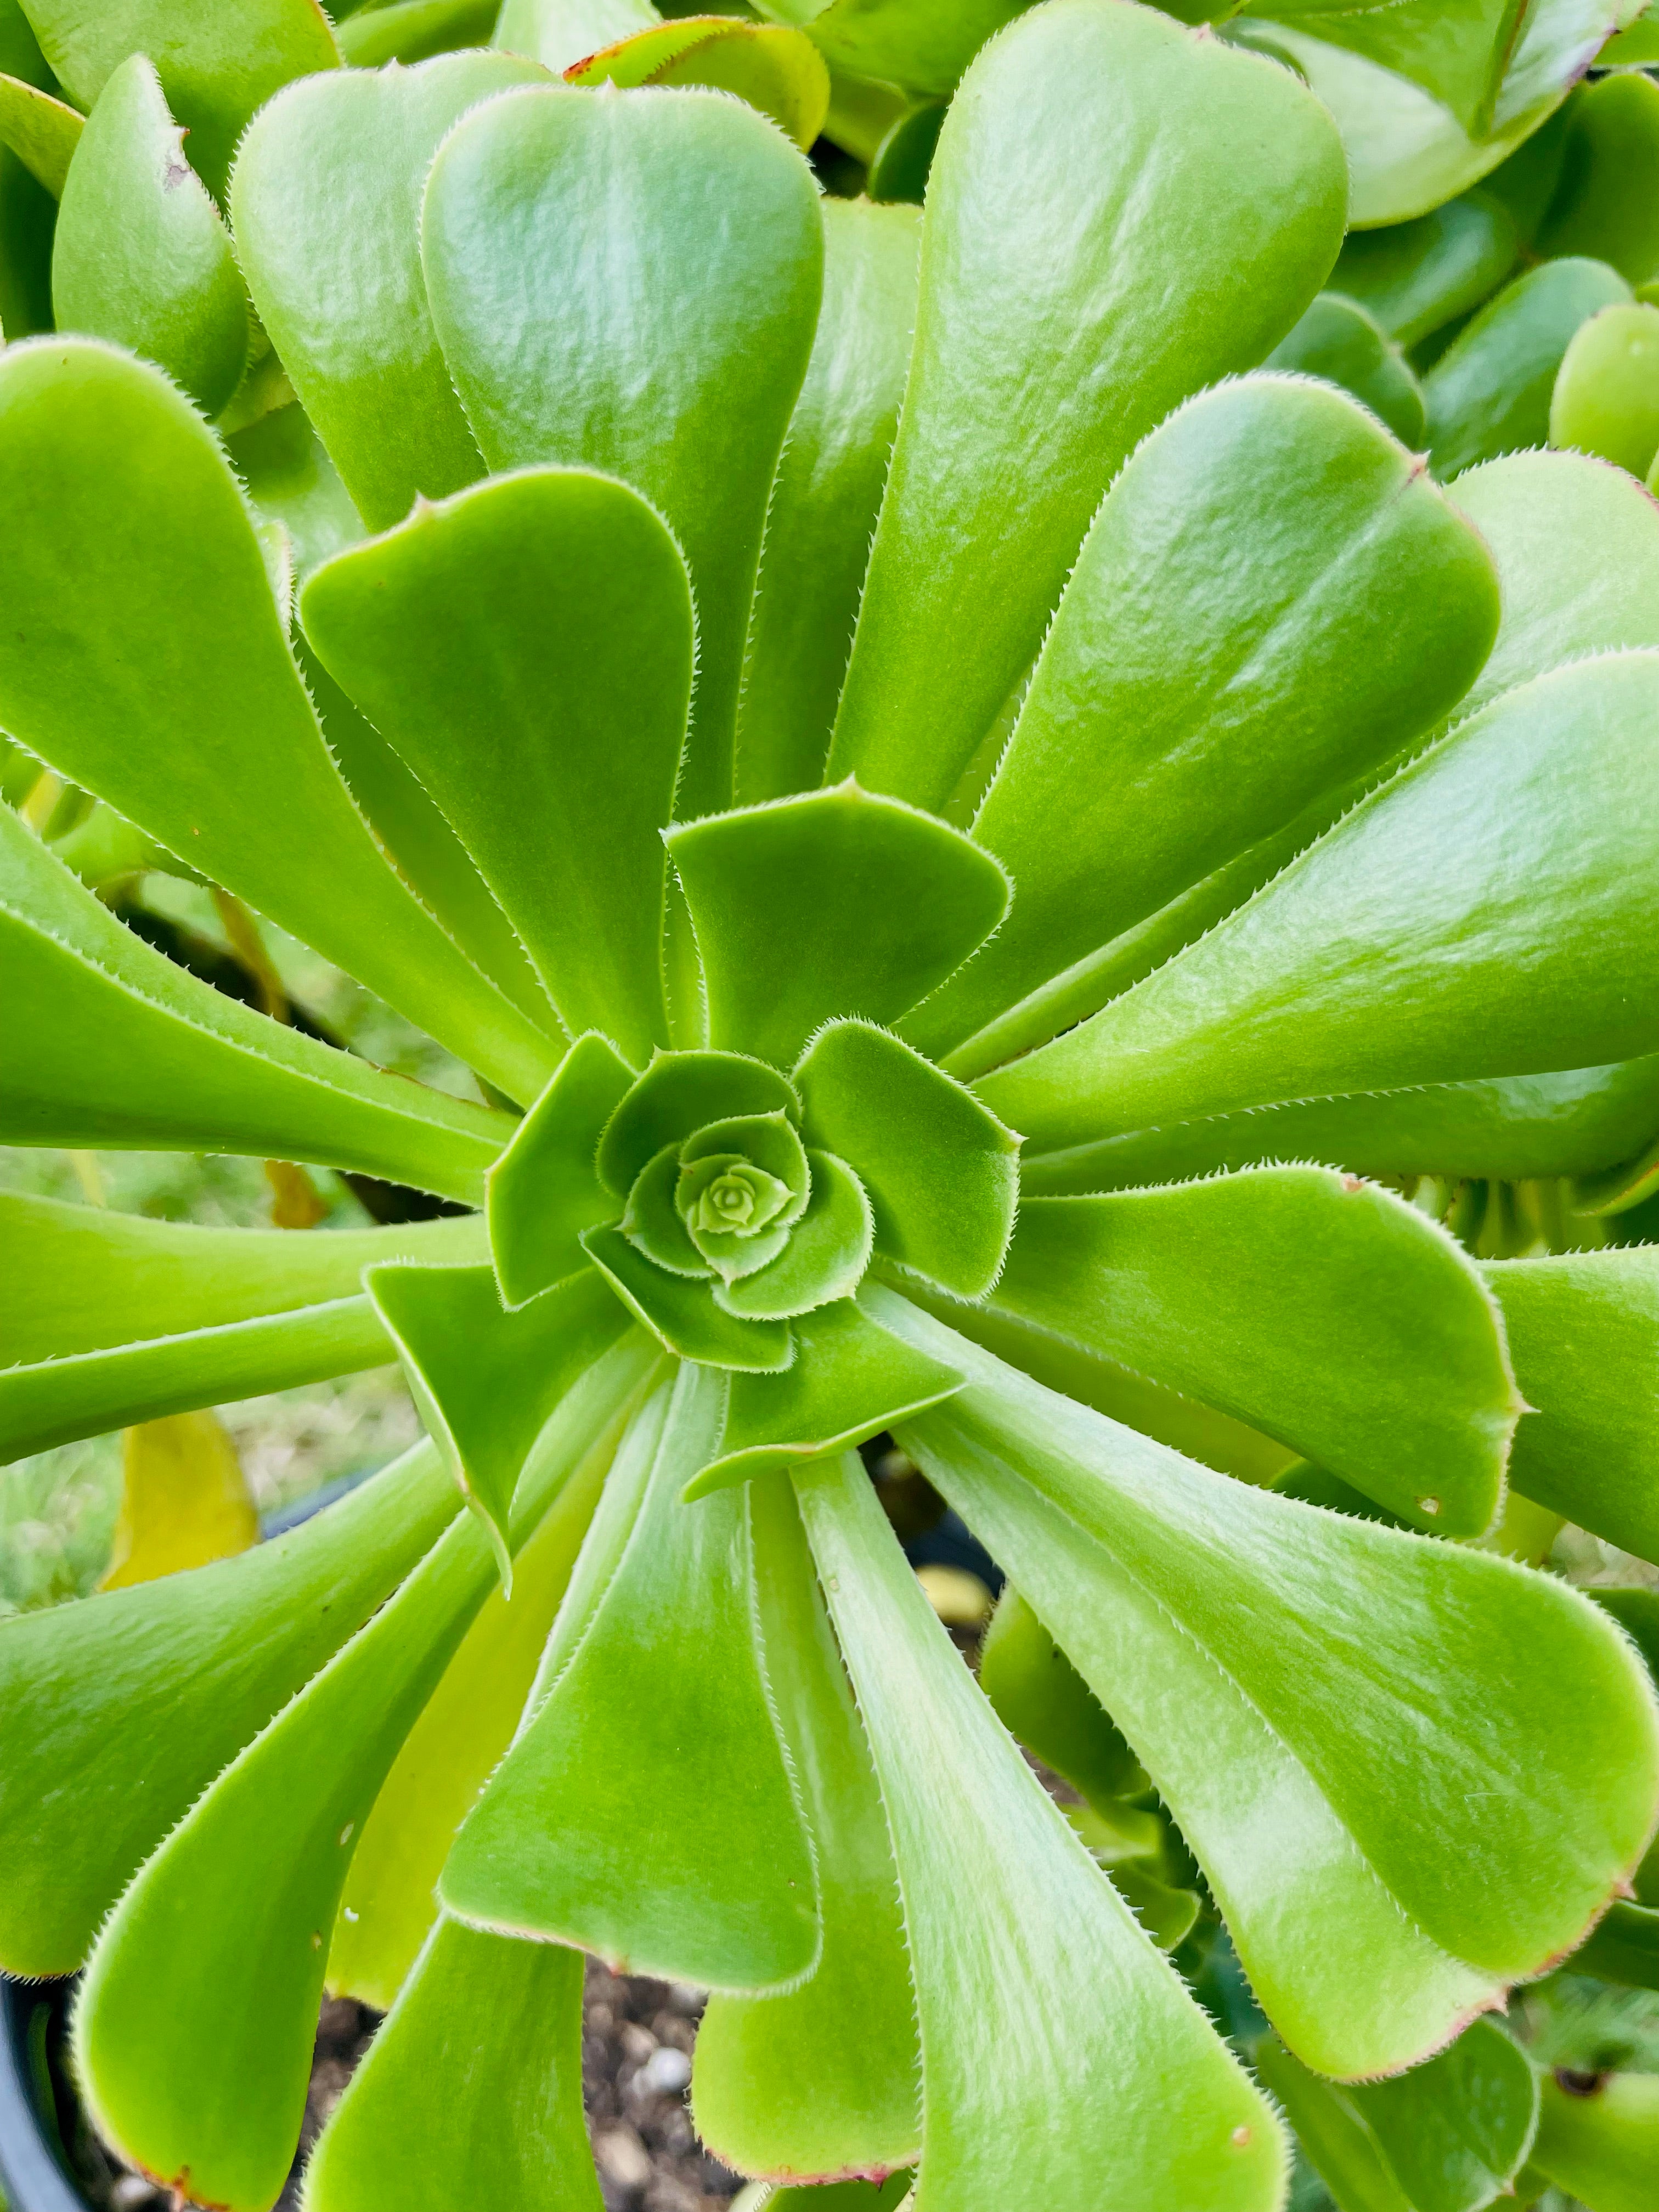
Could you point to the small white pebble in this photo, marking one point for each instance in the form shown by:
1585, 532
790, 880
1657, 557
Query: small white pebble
623, 2158
666, 2072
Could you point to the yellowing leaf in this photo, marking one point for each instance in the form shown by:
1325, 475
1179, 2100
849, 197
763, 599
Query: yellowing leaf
184, 1499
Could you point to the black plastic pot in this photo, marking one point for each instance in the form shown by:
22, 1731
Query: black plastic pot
36, 2174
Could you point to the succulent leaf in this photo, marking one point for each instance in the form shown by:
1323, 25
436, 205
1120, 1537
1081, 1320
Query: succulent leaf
773, 68
1415, 277
544, 1190
1602, 2146
1337, 339
825, 1259
413, 30
43, 132
682, 1314
680, 1093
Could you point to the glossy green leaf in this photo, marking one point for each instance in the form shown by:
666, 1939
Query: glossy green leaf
472, 2090
194, 1666
904, 159
1043, 354
1232, 650
822, 2080
343, 296
1040, 1697
141, 255
942, 1172
544, 1189
850, 1379
40, 130
682, 1314
1583, 1330
557, 33
1320, 1309
414, 30
925, 45
1489, 392
799, 916
243, 1894
1606, 400
597, 307
107, 1318
389, 1906
1449, 2137
773, 69
825, 499
1607, 202
125, 1049
147, 661
679, 1093
1602, 2146
646, 1811
1521, 840
1415, 277
1434, 1774
1338, 340
1624, 1949
526, 646
1063, 2062
826, 1256
486, 1380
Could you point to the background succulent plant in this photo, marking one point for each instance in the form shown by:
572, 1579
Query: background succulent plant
1263, 835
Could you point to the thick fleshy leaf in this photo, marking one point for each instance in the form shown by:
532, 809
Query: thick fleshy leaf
823, 2080
1051, 338
1233, 649
681, 1313
184, 1500
219, 60
827, 1254
290, 480
389, 1906
40, 130
942, 1172
193, 1667
147, 659
1601, 2145
1606, 400
652, 1222
124, 1048
414, 30
1063, 2062
1624, 1949
850, 1380
1319, 1309
557, 33
544, 1189
242, 1896
775, 69
108, 1318
1429, 1765
141, 255
527, 646
646, 1811
924, 45
681, 1093
1607, 205
597, 307
1415, 277
799, 915
904, 158
1338, 340
326, 202
1584, 1327
1522, 841
1489, 392
825, 499
472, 2090
486, 1379
1040, 1697
1450, 2136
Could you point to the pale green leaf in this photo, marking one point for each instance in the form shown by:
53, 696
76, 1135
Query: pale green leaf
40, 130
557, 33
682, 1092
1602, 2146
827, 1254
544, 1189
598, 306
775, 69
414, 30
1055, 331
681, 1313
1606, 399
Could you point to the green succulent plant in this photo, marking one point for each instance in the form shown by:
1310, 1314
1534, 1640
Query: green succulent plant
1014, 947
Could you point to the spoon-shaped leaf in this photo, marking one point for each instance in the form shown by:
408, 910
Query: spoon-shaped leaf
681, 1313
242, 1896
1415, 277
1273, 599
800, 916
558, 32
526, 646
141, 255
681, 1093
498, 2025
825, 1258
544, 1189
1606, 206
1526, 841
1336, 339
146, 659
1310, 1304
1053, 334
822, 2080
598, 306
646, 1811
124, 1048
326, 202
108, 1318
1107, 2085
825, 499
1606, 400
773, 69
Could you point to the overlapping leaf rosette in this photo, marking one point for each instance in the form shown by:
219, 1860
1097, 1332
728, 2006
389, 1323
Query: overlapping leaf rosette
910, 1043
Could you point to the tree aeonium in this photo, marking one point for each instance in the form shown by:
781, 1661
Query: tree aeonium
1193, 802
